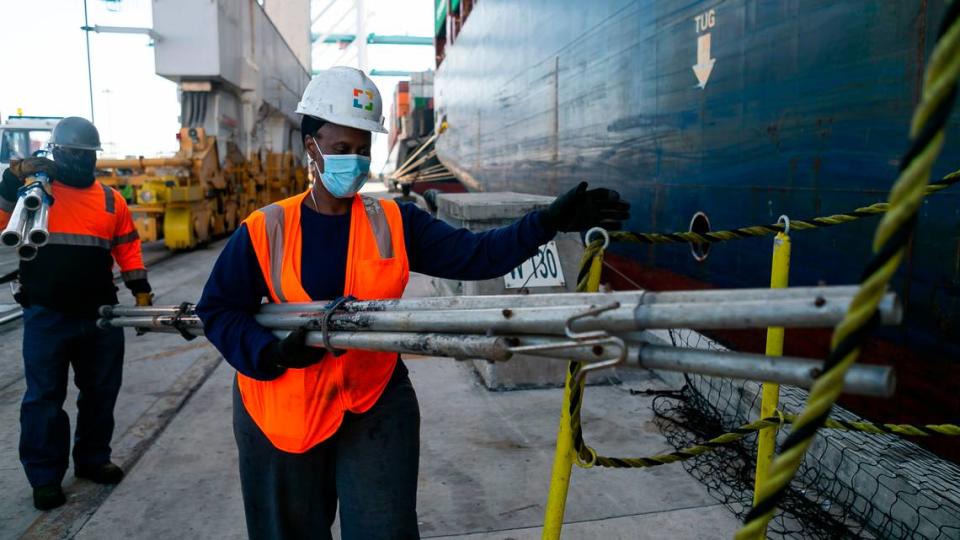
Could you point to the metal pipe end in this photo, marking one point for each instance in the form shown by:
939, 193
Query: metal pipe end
105, 311
32, 202
11, 238
870, 380
27, 252
38, 237
890, 383
104, 324
885, 383
895, 314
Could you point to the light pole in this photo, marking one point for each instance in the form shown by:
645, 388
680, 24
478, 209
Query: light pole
86, 26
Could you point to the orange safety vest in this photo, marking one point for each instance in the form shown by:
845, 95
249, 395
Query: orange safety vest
304, 407
93, 216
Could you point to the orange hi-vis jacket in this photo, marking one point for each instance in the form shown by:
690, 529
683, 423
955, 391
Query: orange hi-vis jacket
89, 228
304, 407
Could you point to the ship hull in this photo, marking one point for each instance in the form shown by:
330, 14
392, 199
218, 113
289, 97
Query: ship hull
804, 112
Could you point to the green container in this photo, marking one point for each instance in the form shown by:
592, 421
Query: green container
440, 16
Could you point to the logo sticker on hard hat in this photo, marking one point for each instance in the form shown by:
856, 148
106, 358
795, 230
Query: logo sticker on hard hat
357, 92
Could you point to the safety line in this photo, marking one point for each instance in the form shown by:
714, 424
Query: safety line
767, 230
734, 435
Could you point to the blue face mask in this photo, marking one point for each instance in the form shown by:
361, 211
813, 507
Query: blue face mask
343, 174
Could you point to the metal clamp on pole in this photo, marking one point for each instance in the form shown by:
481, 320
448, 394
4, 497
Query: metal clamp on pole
328, 312
593, 338
185, 310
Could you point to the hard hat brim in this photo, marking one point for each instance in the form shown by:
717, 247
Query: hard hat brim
348, 121
77, 146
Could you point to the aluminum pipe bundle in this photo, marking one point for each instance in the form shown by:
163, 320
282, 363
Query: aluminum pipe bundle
497, 327
27, 229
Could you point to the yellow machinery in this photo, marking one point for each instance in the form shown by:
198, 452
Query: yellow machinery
189, 198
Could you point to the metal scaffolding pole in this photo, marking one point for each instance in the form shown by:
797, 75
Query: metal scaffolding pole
617, 319
538, 320
862, 379
811, 294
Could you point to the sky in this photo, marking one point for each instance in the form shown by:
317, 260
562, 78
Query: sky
136, 111
384, 17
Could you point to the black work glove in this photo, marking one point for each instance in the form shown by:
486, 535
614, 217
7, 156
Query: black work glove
293, 351
24, 168
578, 210
138, 285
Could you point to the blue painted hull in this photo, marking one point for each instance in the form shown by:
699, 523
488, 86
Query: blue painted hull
805, 113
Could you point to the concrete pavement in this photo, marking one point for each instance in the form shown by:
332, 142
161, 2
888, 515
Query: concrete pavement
159, 373
485, 456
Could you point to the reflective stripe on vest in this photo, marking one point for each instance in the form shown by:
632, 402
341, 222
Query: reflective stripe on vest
86, 217
304, 407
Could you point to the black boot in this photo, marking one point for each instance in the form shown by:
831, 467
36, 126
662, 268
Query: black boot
108, 473
48, 497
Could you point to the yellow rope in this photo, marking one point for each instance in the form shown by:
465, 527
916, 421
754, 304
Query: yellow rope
893, 232
767, 230
591, 249
898, 429
746, 429
682, 454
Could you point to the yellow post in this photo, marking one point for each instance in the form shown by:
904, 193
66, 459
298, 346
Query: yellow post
562, 467
564, 456
767, 438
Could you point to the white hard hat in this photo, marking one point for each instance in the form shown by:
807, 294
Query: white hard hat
345, 96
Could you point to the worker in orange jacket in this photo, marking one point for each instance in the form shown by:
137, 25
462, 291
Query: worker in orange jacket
317, 429
61, 290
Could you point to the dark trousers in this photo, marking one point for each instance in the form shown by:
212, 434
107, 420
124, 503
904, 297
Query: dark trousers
52, 342
370, 465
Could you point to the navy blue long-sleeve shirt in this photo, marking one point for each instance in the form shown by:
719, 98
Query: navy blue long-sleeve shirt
235, 289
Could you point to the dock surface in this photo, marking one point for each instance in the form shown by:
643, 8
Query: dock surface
485, 456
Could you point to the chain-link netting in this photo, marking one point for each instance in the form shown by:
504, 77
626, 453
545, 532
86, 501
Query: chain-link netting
851, 484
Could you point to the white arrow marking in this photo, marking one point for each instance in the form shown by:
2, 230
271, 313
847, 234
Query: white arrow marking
704, 63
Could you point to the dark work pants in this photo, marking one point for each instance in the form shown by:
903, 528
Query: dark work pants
370, 465
52, 342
